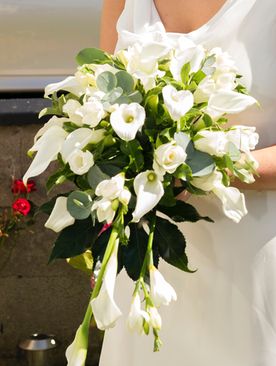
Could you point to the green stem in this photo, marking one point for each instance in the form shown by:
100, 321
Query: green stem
148, 260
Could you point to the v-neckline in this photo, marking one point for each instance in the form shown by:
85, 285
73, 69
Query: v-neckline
210, 22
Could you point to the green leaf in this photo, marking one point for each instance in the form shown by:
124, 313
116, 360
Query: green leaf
200, 162
168, 198
82, 262
184, 73
171, 244
198, 76
114, 96
125, 81
59, 177
75, 239
106, 81
90, 56
182, 212
136, 97
207, 120
79, 205
133, 150
134, 253
95, 176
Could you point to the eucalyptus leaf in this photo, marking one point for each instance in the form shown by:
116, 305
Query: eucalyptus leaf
171, 244
125, 81
106, 81
79, 205
90, 56
135, 97
200, 162
95, 176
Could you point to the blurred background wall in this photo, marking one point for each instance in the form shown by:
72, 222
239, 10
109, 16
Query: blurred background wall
38, 43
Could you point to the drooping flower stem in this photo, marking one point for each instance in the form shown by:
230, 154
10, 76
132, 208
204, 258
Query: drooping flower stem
148, 260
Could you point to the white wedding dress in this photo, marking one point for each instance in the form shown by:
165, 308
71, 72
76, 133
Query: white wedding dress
225, 314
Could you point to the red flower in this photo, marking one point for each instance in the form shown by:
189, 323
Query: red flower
19, 187
21, 205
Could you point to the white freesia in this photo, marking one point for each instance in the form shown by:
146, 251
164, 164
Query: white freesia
127, 120
104, 210
77, 351
186, 52
111, 188
105, 310
246, 166
71, 107
228, 102
78, 139
223, 61
91, 112
80, 161
245, 138
47, 146
177, 102
155, 318
60, 217
233, 201
149, 190
142, 62
168, 157
137, 316
70, 84
162, 293
212, 142
53, 121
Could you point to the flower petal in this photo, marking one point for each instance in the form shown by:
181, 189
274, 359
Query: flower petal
60, 217
77, 351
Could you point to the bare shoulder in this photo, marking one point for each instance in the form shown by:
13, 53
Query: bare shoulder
110, 13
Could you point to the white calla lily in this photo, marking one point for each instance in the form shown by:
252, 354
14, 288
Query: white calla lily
177, 102
233, 201
47, 147
228, 101
53, 121
60, 217
104, 308
149, 190
127, 120
162, 293
78, 139
212, 142
80, 161
137, 316
70, 84
77, 351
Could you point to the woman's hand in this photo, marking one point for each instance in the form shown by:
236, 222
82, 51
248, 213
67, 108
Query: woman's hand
111, 11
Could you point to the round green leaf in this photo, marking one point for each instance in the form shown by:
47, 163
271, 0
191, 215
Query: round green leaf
79, 205
106, 81
125, 81
90, 56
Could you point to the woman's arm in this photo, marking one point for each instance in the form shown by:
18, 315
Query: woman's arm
267, 170
110, 14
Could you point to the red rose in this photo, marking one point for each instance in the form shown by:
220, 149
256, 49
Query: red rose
22, 206
19, 187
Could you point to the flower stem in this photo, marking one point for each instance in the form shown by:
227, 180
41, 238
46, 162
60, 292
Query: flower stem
148, 260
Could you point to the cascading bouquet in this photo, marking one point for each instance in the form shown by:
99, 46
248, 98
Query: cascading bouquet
132, 131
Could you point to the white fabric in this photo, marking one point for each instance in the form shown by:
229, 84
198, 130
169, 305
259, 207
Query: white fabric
225, 314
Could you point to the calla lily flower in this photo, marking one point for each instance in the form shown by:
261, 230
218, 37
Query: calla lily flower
105, 310
162, 293
177, 102
60, 217
70, 84
233, 201
53, 121
137, 316
78, 139
228, 102
127, 120
47, 147
149, 190
77, 351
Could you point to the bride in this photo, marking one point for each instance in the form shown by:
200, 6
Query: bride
225, 314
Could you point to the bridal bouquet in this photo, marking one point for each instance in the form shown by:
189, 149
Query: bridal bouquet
132, 131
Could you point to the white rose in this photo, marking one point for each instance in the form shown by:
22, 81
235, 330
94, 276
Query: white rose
80, 162
177, 102
127, 120
212, 142
168, 157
